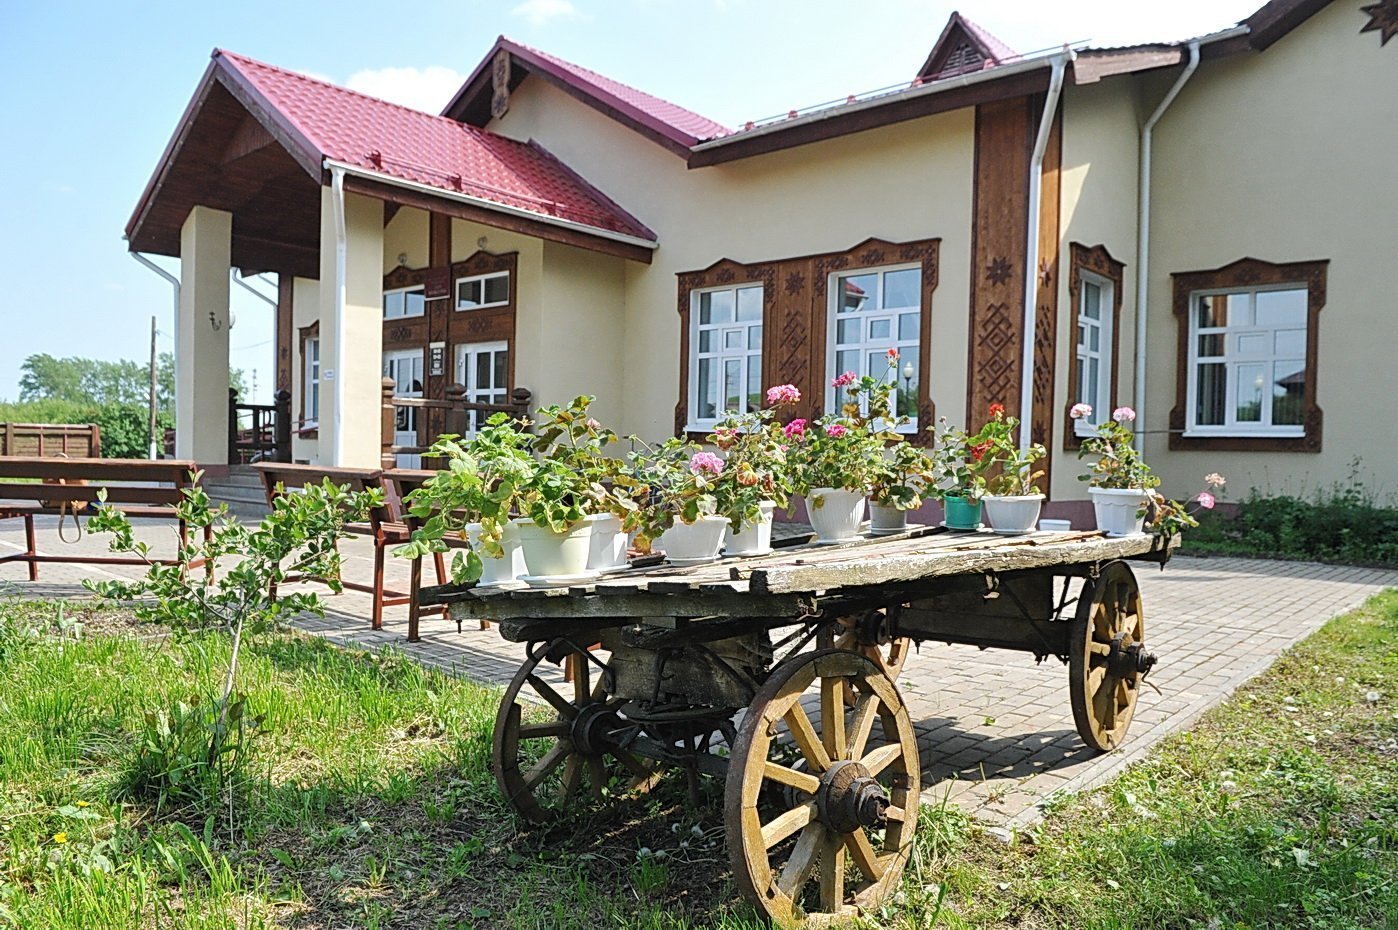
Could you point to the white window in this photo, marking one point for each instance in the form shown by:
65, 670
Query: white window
1247, 361
483, 290
405, 301
404, 366
483, 369
872, 311
1096, 300
312, 382
725, 353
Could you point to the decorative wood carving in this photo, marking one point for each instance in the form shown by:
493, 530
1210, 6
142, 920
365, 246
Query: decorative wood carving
794, 320
500, 84
1383, 19
1042, 404
998, 271
284, 329
1098, 261
1249, 272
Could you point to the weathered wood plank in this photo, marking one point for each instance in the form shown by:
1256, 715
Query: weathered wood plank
645, 604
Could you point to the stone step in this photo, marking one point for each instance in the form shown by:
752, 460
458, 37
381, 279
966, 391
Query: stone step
232, 493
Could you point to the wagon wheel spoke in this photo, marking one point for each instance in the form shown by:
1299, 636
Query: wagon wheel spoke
791, 858
551, 760
559, 702
572, 775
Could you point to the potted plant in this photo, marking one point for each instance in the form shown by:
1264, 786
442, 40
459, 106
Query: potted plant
681, 513
899, 475
471, 499
572, 436
1012, 501
960, 464
1119, 481
754, 480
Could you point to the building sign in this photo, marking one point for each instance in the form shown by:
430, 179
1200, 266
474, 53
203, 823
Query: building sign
437, 283
437, 358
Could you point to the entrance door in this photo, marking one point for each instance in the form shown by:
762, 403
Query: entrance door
483, 369
404, 366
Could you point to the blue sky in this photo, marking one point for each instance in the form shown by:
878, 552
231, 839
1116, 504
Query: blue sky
90, 93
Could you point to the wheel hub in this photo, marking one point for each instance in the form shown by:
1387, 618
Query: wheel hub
850, 798
1129, 662
592, 729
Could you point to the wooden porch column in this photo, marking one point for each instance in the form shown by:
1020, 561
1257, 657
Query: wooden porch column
201, 357
351, 343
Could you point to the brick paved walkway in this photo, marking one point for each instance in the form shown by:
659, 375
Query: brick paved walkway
997, 731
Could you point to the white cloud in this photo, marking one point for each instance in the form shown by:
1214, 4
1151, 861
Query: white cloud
543, 12
427, 89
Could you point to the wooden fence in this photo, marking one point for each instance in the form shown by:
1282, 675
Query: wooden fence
51, 440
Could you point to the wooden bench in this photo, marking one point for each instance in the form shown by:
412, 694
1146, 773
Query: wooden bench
401, 482
382, 525
136, 487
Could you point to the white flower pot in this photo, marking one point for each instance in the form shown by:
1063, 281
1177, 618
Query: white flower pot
608, 549
693, 543
885, 520
1013, 513
753, 538
550, 554
1120, 511
835, 513
506, 568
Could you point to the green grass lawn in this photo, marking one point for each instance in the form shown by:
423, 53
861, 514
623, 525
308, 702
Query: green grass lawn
368, 803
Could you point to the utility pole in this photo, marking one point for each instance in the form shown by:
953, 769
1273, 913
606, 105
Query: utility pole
153, 446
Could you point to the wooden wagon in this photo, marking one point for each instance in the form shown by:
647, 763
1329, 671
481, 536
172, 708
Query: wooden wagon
774, 673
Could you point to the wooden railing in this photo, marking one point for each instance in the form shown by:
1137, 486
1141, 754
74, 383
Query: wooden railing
259, 432
451, 416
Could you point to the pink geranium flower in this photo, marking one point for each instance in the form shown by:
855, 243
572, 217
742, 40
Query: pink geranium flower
702, 462
844, 380
795, 428
1080, 411
782, 395
1123, 415
835, 430
1206, 500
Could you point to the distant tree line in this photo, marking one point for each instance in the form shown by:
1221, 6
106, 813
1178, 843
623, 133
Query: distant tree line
113, 394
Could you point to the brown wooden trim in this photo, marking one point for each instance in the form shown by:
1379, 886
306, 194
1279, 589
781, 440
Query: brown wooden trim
1277, 18
1244, 273
1097, 260
897, 110
1041, 407
794, 318
496, 219
285, 290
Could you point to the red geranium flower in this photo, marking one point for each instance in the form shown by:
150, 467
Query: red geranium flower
997, 410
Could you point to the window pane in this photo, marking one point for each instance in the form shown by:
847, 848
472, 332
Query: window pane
878, 366
881, 329
1288, 392
749, 304
1253, 344
1091, 301
707, 390
1091, 380
706, 311
497, 289
482, 371
846, 360
1291, 342
468, 295
732, 338
856, 290
1094, 338
706, 340
754, 337
393, 305
1248, 387
754, 382
720, 307
847, 332
732, 384
1282, 308
1211, 345
1212, 391
414, 303
907, 327
502, 368
900, 288
906, 395
1208, 312
1239, 309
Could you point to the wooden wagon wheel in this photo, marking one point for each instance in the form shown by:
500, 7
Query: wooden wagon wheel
1108, 657
552, 744
828, 837
889, 653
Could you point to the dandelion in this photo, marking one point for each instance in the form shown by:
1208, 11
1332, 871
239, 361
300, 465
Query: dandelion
705, 462
1080, 411
82, 804
835, 430
1214, 480
844, 380
1124, 415
782, 395
997, 410
795, 428
60, 838
1371, 697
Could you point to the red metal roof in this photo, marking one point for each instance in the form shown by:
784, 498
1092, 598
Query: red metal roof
399, 142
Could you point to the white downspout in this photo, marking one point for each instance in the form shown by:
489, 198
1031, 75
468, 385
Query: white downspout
1031, 261
1143, 240
337, 189
175, 285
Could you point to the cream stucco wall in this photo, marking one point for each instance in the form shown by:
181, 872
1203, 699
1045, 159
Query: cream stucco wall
406, 235
1288, 156
1099, 191
904, 182
581, 330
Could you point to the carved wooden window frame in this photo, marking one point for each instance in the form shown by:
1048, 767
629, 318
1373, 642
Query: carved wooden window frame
1250, 273
308, 428
1098, 261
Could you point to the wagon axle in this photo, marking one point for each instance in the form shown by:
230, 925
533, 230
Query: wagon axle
1130, 663
849, 798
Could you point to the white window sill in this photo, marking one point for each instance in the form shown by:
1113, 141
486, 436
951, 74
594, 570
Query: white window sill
1236, 433
502, 303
